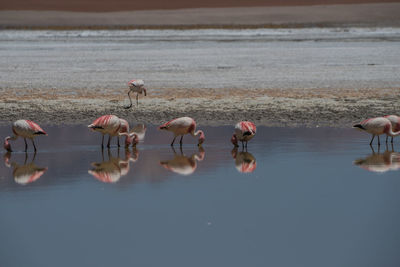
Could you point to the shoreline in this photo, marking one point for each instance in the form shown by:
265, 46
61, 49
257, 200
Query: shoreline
266, 107
329, 15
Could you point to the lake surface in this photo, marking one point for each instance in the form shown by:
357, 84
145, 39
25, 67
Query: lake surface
297, 197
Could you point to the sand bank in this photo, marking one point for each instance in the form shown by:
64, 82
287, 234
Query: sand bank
270, 107
372, 14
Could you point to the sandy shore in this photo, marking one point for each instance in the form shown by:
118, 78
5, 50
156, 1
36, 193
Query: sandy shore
306, 107
370, 14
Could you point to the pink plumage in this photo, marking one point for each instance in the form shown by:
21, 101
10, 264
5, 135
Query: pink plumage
244, 132
182, 126
376, 127
25, 129
395, 121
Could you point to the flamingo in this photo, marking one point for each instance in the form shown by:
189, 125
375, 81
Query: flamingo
25, 129
182, 126
124, 128
111, 125
376, 126
183, 165
136, 86
395, 121
244, 132
140, 131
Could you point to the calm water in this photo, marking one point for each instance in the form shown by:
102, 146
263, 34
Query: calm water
298, 197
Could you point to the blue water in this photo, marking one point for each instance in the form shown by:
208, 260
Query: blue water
307, 197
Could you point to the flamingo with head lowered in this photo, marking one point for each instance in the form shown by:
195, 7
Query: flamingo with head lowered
136, 86
395, 121
111, 125
182, 126
377, 126
25, 129
244, 132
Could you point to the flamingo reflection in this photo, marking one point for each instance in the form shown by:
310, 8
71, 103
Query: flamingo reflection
25, 173
182, 164
380, 162
140, 131
114, 168
245, 162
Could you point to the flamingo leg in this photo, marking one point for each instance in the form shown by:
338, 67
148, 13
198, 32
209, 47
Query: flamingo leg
137, 99
172, 144
392, 140
373, 136
379, 141
386, 138
180, 142
129, 100
26, 145
109, 141
118, 140
33, 143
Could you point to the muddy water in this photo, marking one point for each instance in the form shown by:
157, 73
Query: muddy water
296, 197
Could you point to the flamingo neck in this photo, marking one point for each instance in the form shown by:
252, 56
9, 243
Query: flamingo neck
390, 131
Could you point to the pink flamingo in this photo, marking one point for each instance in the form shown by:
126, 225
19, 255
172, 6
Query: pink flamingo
395, 121
182, 126
111, 125
376, 126
136, 86
244, 132
25, 129
124, 128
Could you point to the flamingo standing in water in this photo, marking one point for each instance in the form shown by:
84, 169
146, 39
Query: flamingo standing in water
377, 126
244, 132
124, 128
25, 129
395, 121
136, 86
111, 125
182, 126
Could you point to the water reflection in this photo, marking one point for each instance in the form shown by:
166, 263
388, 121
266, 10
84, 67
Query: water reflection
182, 164
380, 162
114, 168
140, 131
245, 162
25, 173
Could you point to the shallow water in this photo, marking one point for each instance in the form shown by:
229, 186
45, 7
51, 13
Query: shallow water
298, 197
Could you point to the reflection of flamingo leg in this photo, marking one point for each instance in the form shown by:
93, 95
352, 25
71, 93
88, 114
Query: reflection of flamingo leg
102, 142
26, 145
109, 141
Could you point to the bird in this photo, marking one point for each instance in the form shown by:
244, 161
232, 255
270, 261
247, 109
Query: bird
395, 120
140, 131
136, 86
244, 132
182, 164
182, 126
124, 128
245, 162
376, 126
111, 125
24, 173
25, 129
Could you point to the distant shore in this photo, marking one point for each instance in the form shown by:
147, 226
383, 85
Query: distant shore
335, 15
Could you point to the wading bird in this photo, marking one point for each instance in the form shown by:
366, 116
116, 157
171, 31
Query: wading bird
136, 86
395, 121
182, 126
124, 128
111, 125
244, 132
376, 126
25, 129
